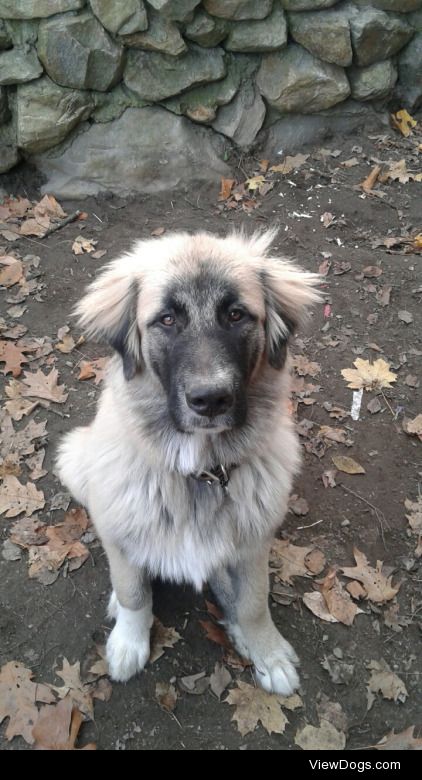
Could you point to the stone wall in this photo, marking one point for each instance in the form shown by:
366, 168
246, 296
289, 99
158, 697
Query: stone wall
132, 95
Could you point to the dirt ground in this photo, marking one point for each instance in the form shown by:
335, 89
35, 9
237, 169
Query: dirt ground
42, 624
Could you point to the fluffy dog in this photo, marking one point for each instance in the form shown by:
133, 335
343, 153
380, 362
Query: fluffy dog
187, 467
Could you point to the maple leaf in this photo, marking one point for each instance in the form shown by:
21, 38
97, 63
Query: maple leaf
370, 376
16, 498
378, 587
40, 385
79, 692
81, 245
57, 727
347, 465
290, 164
405, 740
403, 122
253, 705
322, 737
383, 680
11, 272
18, 697
161, 637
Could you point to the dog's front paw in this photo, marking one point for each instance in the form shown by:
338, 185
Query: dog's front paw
126, 656
276, 671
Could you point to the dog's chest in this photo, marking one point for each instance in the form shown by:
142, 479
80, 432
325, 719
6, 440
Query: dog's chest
182, 529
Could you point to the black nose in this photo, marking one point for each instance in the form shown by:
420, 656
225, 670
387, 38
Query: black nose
209, 401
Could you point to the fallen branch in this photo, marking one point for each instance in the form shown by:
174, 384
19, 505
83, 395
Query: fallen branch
71, 218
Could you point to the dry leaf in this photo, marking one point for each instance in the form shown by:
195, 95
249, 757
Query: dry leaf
329, 478
57, 727
356, 590
289, 561
339, 435
372, 271
16, 498
194, 684
34, 227
316, 603
255, 182
35, 463
323, 737
13, 357
81, 245
40, 385
405, 740
374, 406
383, 295
368, 184
327, 219
226, 188
18, 697
220, 679
347, 465
350, 163
371, 376
161, 637
253, 705
159, 231
403, 121
332, 712
415, 516
405, 316
305, 367
19, 407
49, 206
62, 544
315, 562
166, 695
20, 441
383, 680
11, 270
290, 164
93, 369
216, 634
338, 601
79, 692
378, 587
413, 427
28, 531
299, 506
66, 342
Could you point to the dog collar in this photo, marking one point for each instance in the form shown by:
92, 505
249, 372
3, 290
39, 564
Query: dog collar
218, 475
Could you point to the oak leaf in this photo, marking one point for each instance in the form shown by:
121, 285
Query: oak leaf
378, 587
161, 637
40, 385
405, 740
383, 680
18, 697
16, 497
322, 737
57, 727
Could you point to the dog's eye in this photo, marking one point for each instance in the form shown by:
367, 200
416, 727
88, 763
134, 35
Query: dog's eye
235, 315
168, 320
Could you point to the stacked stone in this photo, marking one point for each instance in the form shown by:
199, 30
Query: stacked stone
82, 72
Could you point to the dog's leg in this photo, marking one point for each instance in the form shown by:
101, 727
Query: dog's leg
131, 605
242, 591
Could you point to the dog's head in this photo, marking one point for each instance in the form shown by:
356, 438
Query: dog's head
204, 314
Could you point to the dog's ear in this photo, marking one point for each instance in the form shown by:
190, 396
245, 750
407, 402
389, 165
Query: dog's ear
289, 292
108, 311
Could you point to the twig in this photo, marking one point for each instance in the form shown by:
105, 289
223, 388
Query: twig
63, 223
301, 527
389, 405
378, 513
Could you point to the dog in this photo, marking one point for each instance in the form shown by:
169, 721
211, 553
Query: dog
187, 467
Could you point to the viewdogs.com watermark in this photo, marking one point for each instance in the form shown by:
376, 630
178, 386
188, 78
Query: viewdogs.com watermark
357, 766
